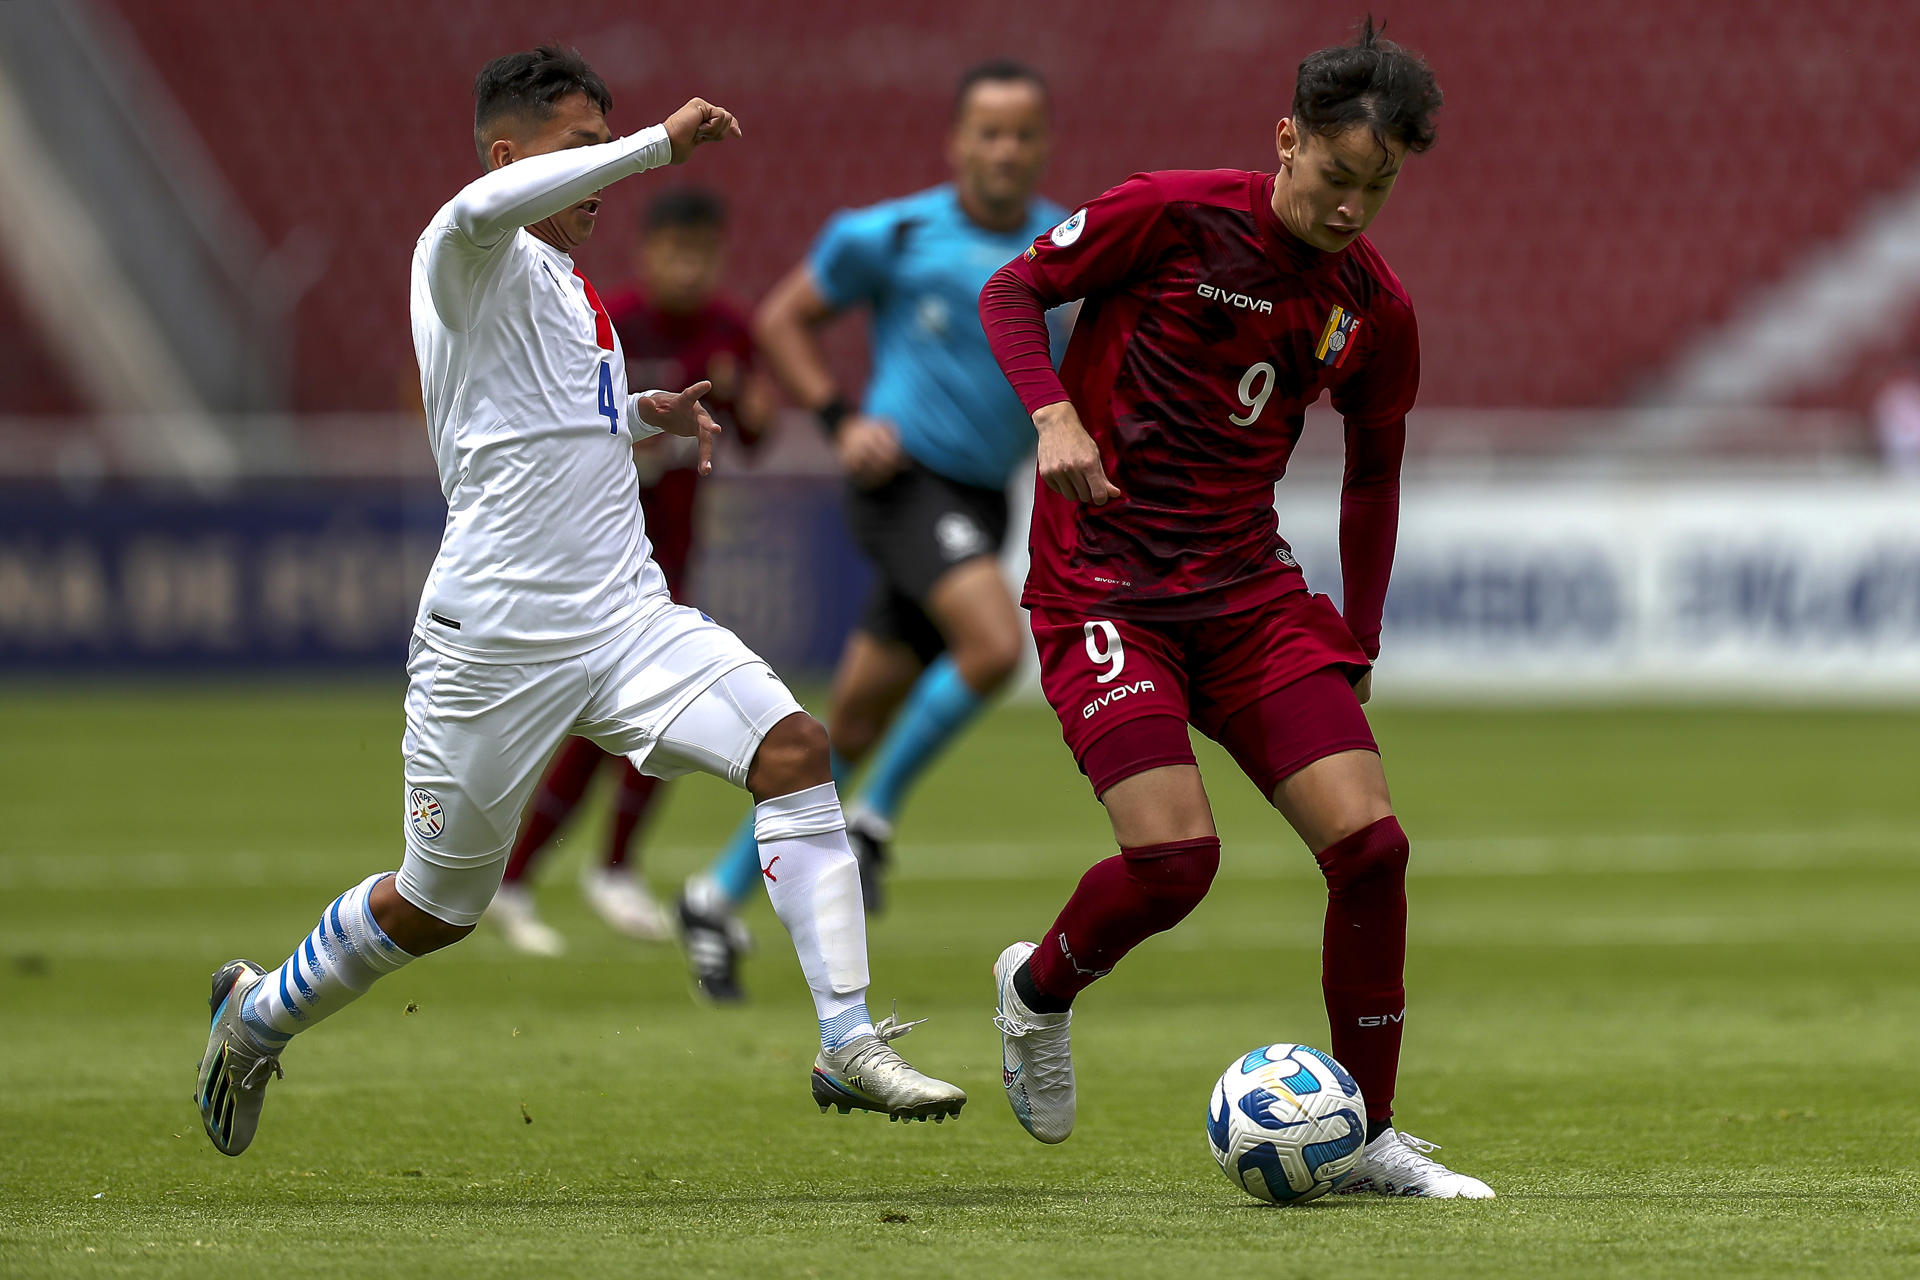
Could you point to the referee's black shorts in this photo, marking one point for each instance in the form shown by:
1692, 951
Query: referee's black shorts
914, 528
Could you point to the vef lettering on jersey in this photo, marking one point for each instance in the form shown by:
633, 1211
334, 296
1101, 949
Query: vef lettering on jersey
1336, 340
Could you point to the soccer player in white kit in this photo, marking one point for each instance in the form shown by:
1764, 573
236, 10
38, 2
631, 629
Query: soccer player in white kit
544, 614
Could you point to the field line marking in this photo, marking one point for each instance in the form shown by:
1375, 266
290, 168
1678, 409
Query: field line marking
1280, 858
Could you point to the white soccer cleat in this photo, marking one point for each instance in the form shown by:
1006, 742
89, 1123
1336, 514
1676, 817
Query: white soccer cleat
513, 912
232, 1086
622, 900
1397, 1164
1036, 1055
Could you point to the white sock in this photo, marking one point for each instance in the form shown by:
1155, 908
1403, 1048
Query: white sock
341, 958
814, 883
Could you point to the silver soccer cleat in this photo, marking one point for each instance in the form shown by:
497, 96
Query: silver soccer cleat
234, 1073
1036, 1055
866, 1073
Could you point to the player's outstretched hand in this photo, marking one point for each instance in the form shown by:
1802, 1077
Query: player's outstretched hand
1069, 459
869, 450
680, 413
697, 122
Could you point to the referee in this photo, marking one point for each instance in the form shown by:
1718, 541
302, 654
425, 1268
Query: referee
927, 451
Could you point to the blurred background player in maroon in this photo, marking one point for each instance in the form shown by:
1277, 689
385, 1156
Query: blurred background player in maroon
1219, 305
674, 324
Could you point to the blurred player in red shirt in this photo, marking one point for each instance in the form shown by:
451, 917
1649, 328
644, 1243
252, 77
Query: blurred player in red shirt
673, 324
1218, 306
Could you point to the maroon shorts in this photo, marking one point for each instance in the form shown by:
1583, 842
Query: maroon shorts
1273, 685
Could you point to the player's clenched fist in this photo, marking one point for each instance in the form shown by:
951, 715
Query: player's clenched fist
697, 122
869, 450
1069, 459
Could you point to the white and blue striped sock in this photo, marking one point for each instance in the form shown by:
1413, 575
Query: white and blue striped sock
343, 956
845, 1025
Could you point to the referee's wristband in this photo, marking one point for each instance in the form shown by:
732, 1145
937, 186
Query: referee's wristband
830, 415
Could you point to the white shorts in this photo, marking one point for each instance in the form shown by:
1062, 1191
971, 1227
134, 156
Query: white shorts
675, 693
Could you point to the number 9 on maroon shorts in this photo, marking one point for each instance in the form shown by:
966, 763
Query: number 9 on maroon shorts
1273, 685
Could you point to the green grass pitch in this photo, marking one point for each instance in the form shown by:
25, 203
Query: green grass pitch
1665, 976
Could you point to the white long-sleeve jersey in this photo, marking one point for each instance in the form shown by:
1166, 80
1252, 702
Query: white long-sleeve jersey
545, 551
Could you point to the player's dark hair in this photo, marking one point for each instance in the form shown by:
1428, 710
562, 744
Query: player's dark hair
996, 71
685, 207
1372, 82
528, 84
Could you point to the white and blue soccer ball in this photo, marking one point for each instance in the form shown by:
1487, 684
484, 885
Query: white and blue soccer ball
1287, 1123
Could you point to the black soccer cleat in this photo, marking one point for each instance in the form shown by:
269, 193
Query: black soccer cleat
714, 942
871, 838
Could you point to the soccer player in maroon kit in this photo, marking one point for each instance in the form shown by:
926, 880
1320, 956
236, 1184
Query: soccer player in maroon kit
1218, 306
673, 324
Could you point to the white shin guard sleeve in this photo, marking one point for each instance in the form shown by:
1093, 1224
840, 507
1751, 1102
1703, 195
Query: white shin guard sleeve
814, 883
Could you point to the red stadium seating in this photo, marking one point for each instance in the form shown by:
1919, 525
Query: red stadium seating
1610, 176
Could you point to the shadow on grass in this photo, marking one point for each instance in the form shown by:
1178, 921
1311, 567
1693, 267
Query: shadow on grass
652, 1196
1025, 1198
1641, 1194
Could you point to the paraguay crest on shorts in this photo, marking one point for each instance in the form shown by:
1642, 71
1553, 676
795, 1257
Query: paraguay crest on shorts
424, 814
1336, 340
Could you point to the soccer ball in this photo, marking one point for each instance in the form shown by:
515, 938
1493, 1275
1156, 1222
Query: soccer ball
1287, 1123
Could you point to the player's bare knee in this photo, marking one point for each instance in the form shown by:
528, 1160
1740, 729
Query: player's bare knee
1356, 812
792, 757
1158, 806
1332, 820
988, 661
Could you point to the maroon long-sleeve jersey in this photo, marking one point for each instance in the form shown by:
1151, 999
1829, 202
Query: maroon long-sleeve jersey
1207, 330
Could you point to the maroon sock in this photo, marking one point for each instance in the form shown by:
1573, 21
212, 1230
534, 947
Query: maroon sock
1363, 956
636, 797
1118, 904
573, 767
